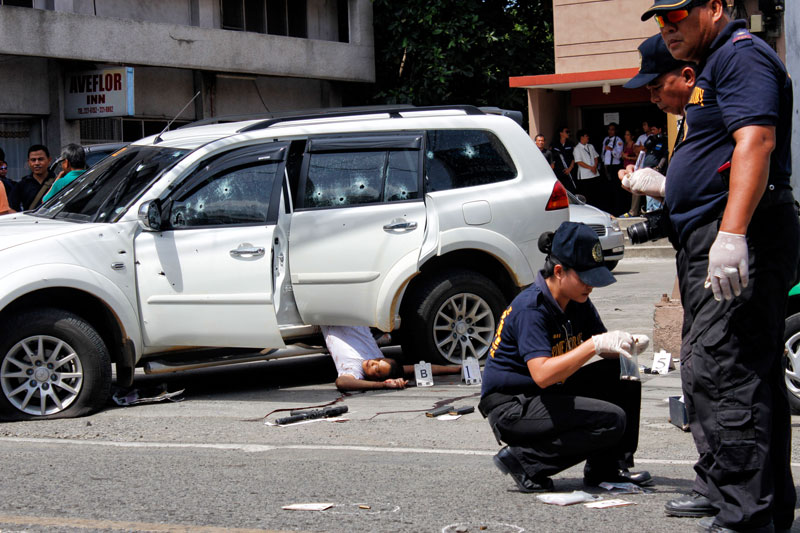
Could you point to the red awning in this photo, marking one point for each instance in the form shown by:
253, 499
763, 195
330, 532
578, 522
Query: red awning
574, 80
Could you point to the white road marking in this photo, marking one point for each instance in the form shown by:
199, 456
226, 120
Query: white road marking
62, 522
258, 448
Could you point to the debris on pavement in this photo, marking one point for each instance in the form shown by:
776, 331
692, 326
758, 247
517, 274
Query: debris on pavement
567, 498
603, 504
307, 506
624, 488
124, 398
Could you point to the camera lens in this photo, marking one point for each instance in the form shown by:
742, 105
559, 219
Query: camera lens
638, 233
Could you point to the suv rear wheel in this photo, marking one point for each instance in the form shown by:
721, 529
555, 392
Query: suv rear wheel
450, 316
53, 364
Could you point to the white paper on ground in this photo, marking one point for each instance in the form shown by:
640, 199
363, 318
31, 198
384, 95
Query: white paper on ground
567, 498
448, 416
307, 506
607, 503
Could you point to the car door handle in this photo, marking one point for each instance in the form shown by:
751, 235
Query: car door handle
398, 226
255, 251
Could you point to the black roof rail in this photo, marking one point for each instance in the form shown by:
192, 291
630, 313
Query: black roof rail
321, 111
516, 116
342, 112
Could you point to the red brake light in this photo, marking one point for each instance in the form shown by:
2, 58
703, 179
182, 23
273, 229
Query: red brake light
558, 198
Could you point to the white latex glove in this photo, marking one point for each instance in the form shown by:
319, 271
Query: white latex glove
613, 342
645, 181
728, 270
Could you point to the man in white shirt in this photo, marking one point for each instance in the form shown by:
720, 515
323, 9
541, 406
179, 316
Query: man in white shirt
590, 184
618, 198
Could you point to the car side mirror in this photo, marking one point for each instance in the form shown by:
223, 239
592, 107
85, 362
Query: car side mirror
150, 215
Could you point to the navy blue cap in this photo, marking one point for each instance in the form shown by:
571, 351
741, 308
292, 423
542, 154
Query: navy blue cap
656, 60
670, 5
577, 246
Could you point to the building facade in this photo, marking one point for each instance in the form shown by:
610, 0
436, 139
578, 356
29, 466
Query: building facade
93, 71
595, 46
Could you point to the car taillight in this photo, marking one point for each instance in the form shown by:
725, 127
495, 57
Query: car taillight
558, 198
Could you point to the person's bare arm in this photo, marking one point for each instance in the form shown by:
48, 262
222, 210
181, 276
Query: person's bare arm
347, 382
436, 370
546, 371
749, 175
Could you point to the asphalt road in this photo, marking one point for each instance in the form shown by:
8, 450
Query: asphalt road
209, 463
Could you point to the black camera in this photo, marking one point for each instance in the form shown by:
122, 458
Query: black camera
654, 227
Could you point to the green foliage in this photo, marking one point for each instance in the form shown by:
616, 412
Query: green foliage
433, 52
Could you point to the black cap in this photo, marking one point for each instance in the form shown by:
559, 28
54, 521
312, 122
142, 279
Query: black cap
656, 60
577, 246
667, 5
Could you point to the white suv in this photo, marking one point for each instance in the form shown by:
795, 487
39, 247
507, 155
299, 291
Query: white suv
228, 239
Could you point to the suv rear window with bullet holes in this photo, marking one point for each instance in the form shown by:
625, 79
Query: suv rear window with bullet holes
465, 158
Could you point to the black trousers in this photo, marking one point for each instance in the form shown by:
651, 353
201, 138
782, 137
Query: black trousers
593, 416
732, 373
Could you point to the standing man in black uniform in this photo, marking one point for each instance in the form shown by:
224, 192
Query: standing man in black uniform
730, 203
564, 160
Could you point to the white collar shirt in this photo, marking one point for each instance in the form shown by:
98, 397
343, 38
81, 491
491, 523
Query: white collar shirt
585, 153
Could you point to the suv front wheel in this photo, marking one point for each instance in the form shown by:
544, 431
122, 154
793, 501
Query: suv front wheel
53, 364
450, 316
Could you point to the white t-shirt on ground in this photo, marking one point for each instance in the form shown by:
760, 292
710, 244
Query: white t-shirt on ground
350, 346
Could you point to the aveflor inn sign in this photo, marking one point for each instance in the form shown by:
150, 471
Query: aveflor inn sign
99, 93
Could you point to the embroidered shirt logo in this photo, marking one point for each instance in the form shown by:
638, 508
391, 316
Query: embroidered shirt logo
697, 97
496, 341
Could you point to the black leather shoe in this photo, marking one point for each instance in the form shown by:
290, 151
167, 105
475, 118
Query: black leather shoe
508, 464
642, 478
707, 525
694, 504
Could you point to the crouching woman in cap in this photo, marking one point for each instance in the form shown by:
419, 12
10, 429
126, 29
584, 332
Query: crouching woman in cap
540, 399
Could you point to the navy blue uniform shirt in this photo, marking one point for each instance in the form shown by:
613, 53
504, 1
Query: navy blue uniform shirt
742, 83
535, 326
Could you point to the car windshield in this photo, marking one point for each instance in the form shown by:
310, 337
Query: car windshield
104, 192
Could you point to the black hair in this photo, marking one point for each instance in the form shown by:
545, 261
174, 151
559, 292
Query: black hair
37, 148
74, 155
539, 135
581, 133
395, 369
546, 247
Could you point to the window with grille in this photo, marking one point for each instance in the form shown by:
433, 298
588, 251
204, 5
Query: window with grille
275, 17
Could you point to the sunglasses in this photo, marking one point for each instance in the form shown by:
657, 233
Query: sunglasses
3, 168
677, 15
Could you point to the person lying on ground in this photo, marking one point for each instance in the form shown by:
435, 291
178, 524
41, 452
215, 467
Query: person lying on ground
360, 364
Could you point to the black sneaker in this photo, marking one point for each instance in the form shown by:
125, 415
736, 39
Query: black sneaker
508, 464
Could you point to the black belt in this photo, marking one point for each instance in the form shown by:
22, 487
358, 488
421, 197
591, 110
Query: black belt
490, 401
